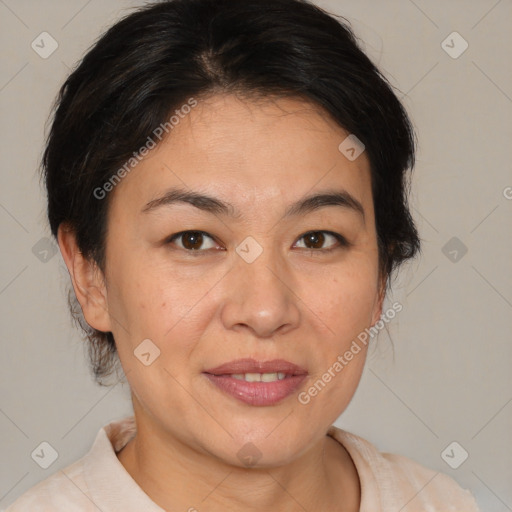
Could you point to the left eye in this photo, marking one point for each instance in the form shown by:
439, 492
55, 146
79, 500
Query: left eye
316, 240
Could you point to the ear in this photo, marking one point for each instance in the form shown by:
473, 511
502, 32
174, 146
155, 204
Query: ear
377, 310
87, 279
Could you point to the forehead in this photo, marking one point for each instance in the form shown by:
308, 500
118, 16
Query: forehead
249, 152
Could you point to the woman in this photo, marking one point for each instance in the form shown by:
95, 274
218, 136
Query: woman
227, 182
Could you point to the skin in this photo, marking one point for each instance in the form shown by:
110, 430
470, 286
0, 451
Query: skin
294, 302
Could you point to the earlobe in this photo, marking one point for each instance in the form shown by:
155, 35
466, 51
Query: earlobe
87, 279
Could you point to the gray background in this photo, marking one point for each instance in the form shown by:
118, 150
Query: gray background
442, 374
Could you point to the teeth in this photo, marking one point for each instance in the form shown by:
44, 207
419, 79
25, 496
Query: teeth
259, 377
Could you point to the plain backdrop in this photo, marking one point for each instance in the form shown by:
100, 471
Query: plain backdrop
441, 375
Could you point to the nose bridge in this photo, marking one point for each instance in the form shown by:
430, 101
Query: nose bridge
259, 294
265, 276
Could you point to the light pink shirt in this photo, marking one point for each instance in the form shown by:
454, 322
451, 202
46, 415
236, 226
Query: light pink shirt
98, 482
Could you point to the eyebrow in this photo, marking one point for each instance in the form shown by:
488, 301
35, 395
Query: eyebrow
213, 205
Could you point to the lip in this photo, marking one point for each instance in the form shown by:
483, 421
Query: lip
253, 366
257, 393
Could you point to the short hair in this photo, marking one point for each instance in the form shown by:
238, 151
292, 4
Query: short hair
155, 59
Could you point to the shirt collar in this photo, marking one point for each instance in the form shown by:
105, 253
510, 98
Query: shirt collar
111, 487
363, 457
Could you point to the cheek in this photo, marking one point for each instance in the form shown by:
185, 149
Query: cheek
170, 313
345, 300
149, 299
344, 304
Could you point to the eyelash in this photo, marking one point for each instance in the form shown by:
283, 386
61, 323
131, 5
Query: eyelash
342, 241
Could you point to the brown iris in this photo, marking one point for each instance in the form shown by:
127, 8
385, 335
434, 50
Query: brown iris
315, 238
192, 240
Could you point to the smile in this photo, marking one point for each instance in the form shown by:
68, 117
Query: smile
257, 383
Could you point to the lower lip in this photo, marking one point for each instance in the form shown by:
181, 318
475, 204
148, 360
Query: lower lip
257, 393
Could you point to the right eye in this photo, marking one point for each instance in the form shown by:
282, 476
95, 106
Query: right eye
192, 241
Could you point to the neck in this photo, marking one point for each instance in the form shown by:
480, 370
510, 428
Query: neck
178, 477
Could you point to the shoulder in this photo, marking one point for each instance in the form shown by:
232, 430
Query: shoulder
64, 490
81, 486
425, 487
390, 481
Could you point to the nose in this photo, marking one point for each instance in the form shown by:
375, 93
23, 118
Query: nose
260, 297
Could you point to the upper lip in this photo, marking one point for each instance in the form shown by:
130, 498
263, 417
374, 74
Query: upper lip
239, 366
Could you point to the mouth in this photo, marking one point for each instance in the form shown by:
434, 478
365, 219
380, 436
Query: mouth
257, 383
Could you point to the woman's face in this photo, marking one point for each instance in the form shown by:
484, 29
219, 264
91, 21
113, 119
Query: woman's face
250, 286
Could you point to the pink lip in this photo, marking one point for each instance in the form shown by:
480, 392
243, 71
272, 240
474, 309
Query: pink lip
257, 393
